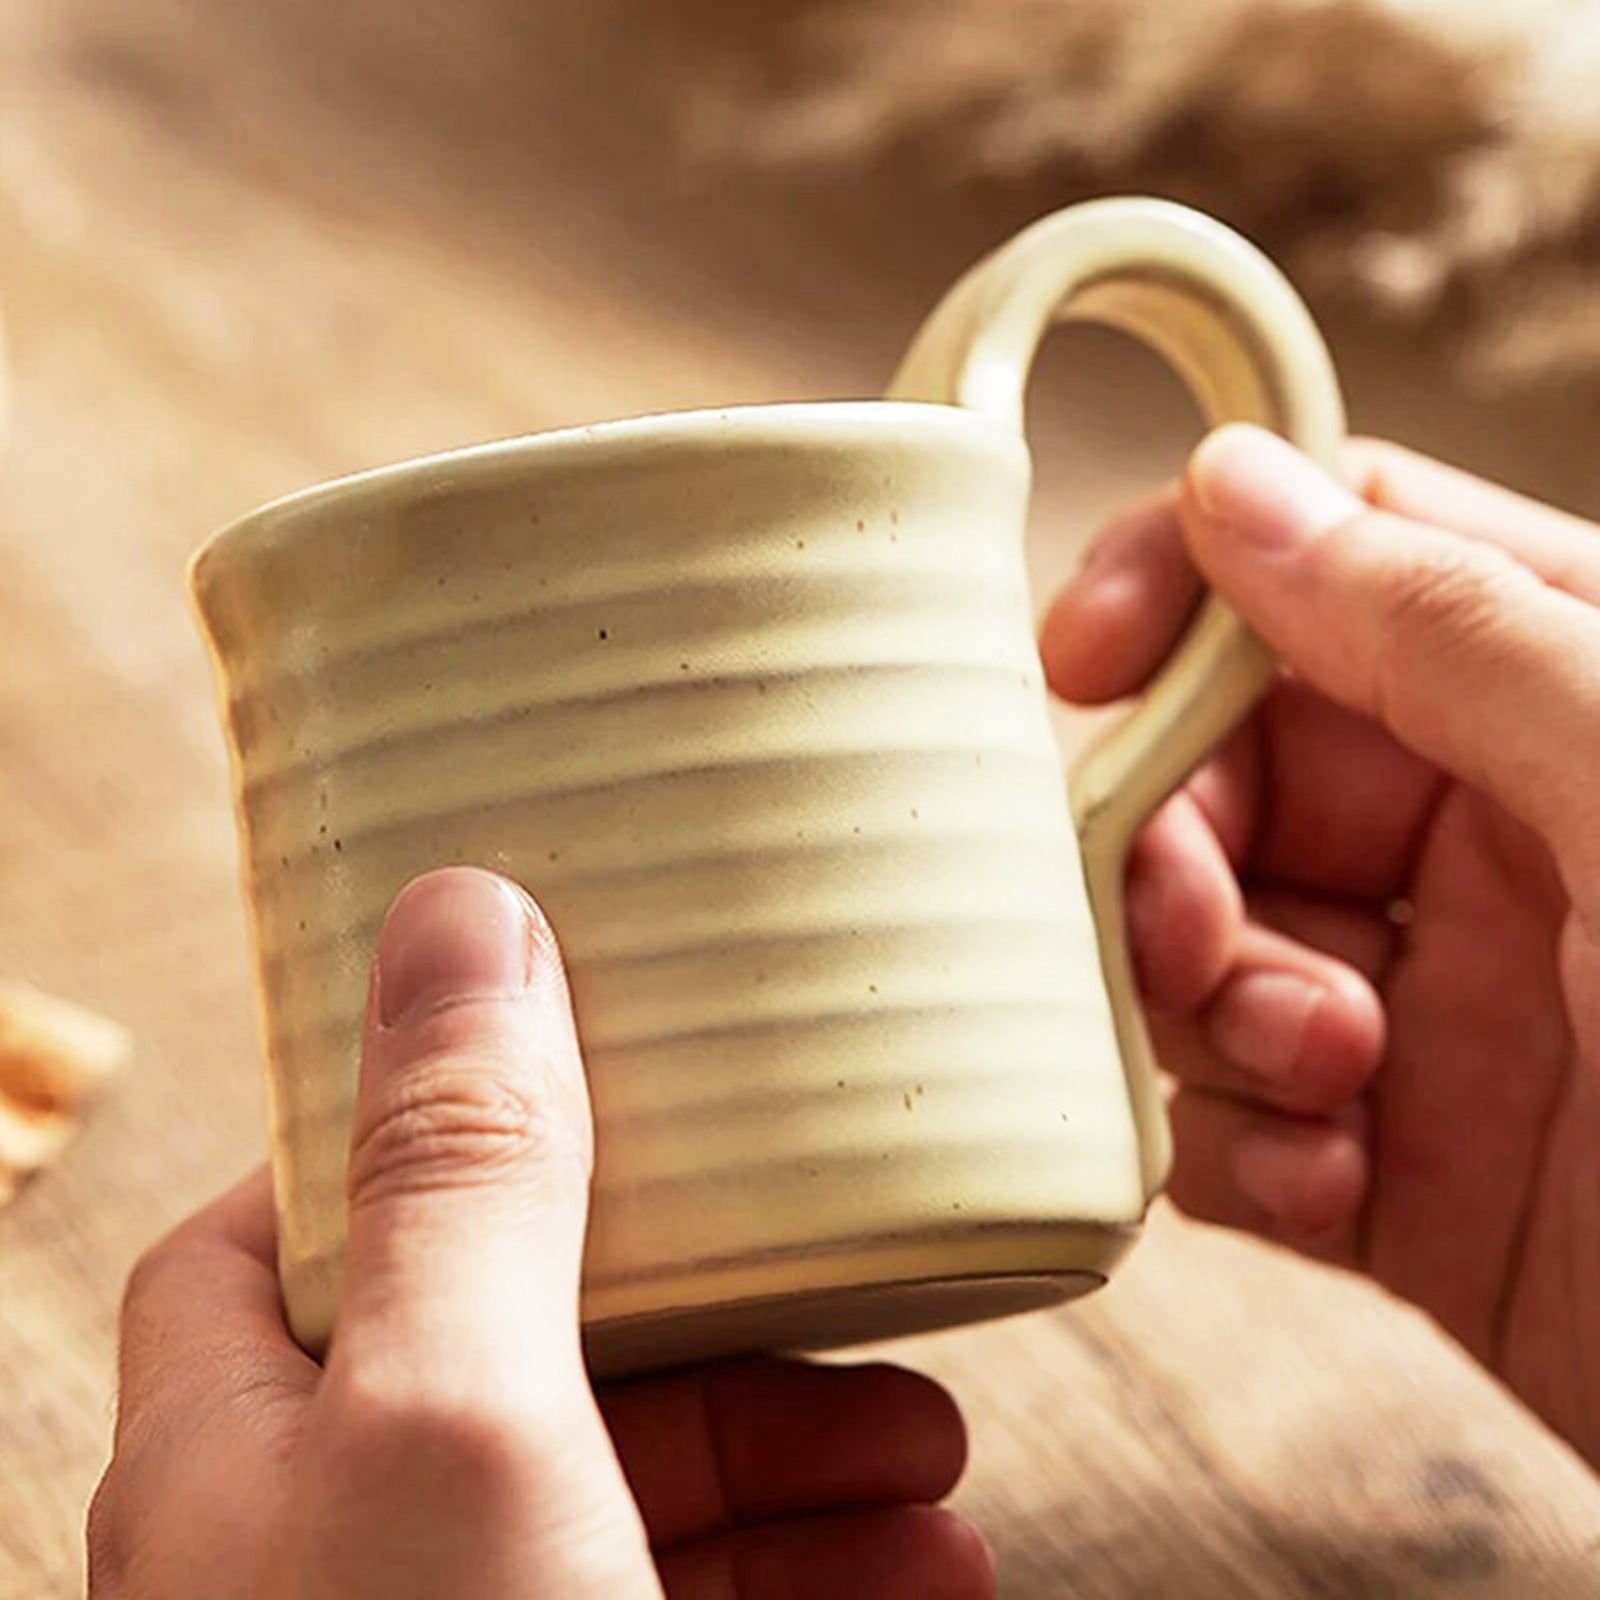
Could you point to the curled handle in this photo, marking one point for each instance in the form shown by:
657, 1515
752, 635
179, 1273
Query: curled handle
1235, 331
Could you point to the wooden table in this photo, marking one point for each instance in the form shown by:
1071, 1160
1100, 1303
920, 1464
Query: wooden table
243, 247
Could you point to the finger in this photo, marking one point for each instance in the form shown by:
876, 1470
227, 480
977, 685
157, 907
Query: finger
1228, 790
212, 1394
1299, 1181
240, 1218
1446, 641
907, 1553
1563, 549
202, 1320
1184, 907
1115, 622
724, 1445
1362, 938
470, 1149
456, 1382
1289, 1028
1348, 803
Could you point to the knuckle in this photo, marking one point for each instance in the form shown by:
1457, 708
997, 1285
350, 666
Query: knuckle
452, 1123
1450, 583
388, 1425
147, 1279
1453, 604
1455, 586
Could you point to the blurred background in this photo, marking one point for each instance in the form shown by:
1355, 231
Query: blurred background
246, 246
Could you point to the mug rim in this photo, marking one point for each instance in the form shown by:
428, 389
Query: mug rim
623, 437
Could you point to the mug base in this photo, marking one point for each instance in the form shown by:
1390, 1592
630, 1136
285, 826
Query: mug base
821, 1319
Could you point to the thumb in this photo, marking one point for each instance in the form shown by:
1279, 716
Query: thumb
463, 1438
1461, 651
471, 1143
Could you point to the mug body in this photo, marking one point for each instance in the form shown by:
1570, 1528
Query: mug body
749, 700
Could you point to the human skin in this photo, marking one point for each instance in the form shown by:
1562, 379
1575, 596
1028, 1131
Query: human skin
452, 1445
1369, 930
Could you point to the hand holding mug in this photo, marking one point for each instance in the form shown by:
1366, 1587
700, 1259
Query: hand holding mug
452, 1446
1368, 931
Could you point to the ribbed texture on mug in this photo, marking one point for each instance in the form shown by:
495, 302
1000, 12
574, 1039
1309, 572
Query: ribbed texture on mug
761, 724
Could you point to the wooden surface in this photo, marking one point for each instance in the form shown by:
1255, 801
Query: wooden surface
243, 247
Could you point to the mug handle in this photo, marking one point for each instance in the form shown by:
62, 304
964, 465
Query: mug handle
1230, 325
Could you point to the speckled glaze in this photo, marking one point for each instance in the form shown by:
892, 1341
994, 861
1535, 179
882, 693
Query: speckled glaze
749, 699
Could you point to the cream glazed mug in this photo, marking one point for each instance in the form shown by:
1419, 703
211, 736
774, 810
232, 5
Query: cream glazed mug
750, 700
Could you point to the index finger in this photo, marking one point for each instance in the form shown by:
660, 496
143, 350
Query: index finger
1563, 549
202, 1321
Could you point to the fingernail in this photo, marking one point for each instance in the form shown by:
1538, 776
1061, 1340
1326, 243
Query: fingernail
458, 934
1259, 1022
1262, 490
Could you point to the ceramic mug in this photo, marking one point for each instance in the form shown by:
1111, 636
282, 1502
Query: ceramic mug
750, 700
